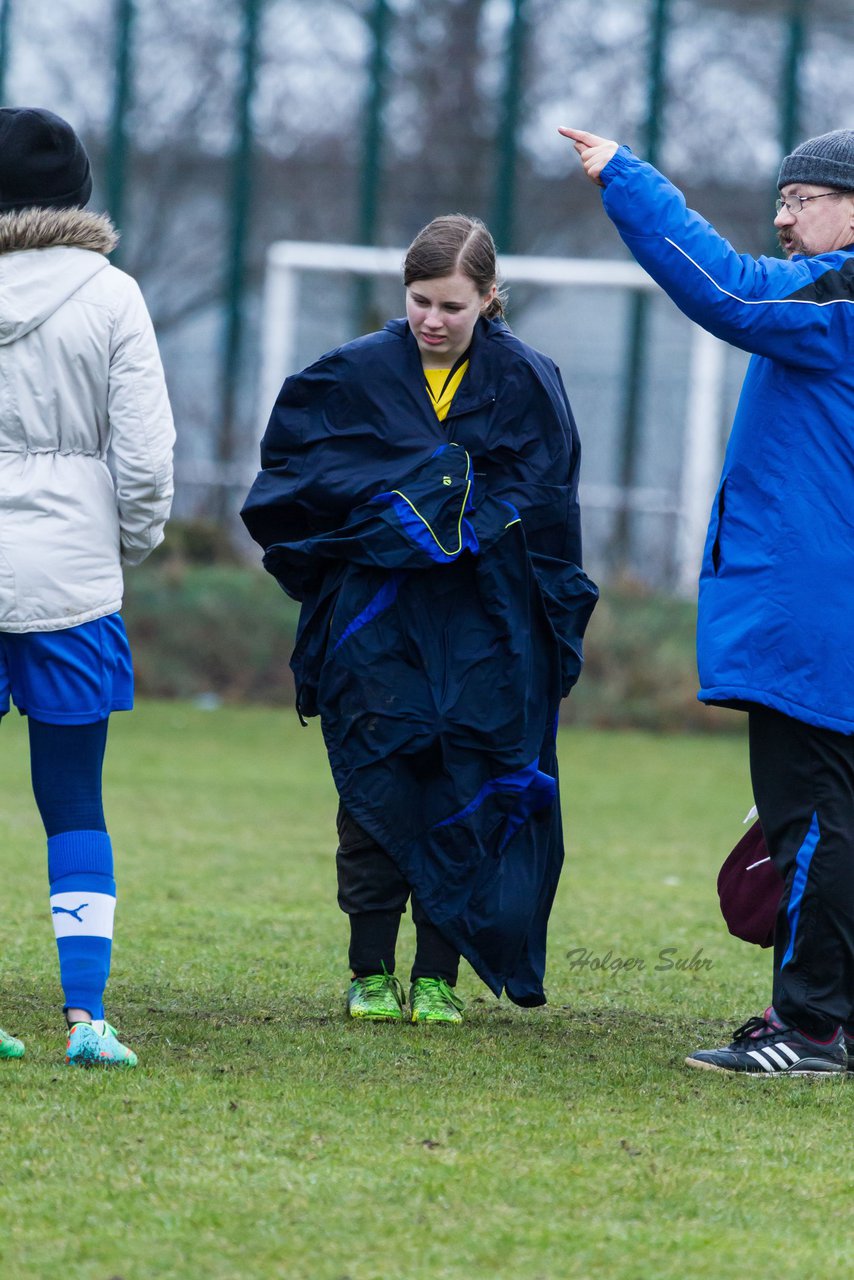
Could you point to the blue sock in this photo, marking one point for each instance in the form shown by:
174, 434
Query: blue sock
66, 763
82, 903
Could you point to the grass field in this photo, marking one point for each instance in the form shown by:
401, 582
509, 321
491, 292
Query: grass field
264, 1136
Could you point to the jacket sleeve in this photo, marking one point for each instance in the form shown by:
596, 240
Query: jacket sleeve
292, 496
748, 302
326, 450
532, 457
142, 433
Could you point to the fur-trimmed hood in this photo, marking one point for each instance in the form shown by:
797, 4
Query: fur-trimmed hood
46, 255
50, 228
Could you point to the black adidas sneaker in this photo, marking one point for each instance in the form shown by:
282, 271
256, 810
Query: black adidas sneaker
766, 1047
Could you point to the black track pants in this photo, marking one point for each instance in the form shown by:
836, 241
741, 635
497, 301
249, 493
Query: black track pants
803, 784
373, 893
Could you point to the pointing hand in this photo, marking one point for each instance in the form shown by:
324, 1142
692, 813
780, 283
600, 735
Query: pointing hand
594, 152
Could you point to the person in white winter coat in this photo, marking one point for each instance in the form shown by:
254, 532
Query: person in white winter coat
86, 439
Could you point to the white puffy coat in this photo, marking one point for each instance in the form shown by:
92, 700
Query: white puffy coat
80, 379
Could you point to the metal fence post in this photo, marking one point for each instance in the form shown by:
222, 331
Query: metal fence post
503, 220
639, 305
5, 32
241, 179
790, 88
122, 93
372, 145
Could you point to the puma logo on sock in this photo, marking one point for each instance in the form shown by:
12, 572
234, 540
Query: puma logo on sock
70, 911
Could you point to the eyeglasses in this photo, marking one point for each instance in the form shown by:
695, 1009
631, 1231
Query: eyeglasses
794, 204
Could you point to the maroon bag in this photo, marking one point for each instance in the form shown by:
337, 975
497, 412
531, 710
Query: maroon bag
750, 888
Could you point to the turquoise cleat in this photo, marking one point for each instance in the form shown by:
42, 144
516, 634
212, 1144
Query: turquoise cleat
88, 1047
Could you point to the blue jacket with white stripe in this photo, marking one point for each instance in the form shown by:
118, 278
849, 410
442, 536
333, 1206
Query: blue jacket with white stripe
443, 608
776, 602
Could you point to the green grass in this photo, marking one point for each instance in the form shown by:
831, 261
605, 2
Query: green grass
265, 1136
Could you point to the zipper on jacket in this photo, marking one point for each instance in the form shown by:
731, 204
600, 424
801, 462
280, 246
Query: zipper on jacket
455, 412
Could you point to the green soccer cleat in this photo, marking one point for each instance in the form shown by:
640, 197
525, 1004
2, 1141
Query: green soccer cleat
433, 1000
88, 1047
9, 1046
379, 998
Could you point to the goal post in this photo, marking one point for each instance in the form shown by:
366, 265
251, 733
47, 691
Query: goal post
289, 260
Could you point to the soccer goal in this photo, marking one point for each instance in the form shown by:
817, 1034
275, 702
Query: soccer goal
687, 453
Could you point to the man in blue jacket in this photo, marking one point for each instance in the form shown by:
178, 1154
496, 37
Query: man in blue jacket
777, 584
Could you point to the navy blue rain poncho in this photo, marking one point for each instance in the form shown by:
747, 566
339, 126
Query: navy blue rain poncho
443, 608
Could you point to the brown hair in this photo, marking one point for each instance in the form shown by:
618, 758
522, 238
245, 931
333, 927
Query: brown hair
455, 242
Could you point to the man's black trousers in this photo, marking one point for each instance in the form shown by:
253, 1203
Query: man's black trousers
803, 785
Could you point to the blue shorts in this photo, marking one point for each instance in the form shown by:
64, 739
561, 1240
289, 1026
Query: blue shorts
76, 676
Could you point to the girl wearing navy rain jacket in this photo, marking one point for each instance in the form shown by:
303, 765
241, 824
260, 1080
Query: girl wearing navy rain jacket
418, 495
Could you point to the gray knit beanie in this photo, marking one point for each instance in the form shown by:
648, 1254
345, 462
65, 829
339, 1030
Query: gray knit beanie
825, 161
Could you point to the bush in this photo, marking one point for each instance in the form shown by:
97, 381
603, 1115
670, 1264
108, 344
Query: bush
640, 667
217, 629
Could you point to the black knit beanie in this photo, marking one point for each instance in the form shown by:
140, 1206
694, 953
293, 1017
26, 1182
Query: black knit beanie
43, 163
825, 161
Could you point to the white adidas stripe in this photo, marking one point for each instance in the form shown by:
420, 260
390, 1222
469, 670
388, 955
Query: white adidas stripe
760, 1058
777, 1057
775, 1053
